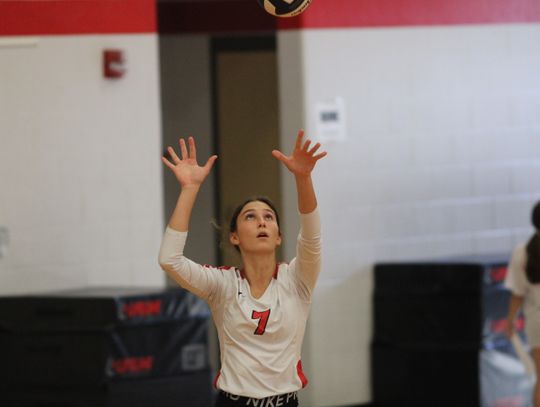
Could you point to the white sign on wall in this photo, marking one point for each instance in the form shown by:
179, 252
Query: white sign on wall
330, 120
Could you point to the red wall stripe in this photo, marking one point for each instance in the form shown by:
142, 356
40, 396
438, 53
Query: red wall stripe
377, 13
246, 15
38, 17
46, 17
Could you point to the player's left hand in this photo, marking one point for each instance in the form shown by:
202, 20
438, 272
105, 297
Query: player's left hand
303, 159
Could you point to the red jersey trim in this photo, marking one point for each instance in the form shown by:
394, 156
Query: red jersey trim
216, 379
276, 271
301, 374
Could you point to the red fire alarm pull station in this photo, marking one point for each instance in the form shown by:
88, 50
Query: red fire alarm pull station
114, 65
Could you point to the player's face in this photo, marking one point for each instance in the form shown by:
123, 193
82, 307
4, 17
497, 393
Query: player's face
257, 229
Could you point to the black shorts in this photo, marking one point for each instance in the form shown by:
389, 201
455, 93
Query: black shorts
225, 399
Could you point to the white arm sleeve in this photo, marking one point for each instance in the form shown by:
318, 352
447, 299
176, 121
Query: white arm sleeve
203, 281
306, 266
516, 278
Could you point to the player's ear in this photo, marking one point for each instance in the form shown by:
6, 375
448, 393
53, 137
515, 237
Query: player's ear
233, 238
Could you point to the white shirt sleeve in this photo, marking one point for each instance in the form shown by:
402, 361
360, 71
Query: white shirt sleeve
306, 266
203, 281
516, 278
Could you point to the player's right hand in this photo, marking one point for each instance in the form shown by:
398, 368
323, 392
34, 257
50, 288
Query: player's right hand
186, 170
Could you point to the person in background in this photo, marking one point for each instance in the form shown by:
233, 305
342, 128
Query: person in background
523, 280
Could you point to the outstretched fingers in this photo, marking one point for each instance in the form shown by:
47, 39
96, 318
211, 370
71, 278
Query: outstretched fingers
173, 155
306, 145
321, 155
210, 163
167, 163
279, 155
183, 149
192, 148
299, 137
314, 149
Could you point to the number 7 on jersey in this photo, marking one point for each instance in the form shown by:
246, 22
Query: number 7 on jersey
263, 320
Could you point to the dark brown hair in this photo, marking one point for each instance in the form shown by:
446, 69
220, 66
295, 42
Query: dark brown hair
533, 248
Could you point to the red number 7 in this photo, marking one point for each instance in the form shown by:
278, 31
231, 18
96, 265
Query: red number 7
263, 320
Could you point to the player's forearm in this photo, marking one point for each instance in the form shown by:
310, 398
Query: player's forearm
515, 304
182, 212
307, 200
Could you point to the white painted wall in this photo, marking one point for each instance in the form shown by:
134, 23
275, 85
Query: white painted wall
80, 173
441, 159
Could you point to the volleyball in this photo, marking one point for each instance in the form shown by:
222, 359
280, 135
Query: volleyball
284, 8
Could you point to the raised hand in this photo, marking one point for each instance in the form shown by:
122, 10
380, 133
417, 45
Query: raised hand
303, 159
186, 170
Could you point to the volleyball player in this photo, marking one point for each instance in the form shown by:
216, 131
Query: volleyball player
260, 310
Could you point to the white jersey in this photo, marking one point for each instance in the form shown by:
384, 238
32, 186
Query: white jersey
260, 338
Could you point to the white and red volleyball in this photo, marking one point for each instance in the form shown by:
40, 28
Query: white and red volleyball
284, 8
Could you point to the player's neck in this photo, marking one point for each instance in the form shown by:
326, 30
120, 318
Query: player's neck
259, 269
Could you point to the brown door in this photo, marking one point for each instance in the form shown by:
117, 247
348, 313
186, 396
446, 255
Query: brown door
247, 126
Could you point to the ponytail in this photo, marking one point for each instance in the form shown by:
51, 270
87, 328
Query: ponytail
533, 259
533, 249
